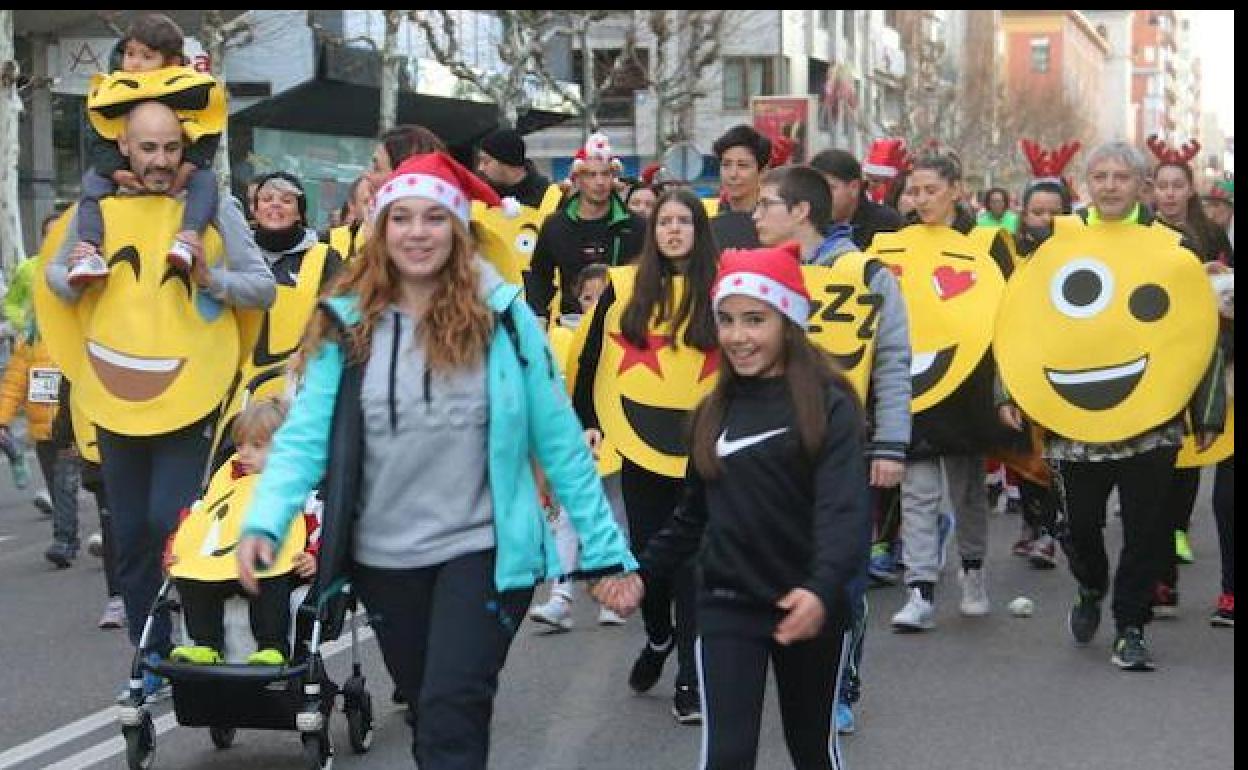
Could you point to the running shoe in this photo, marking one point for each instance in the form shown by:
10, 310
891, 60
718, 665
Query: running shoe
687, 705
649, 665
1085, 616
1183, 547
1224, 615
1131, 650
917, 615
556, 614
975, 601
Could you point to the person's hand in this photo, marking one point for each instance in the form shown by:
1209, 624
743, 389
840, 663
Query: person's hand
593, 440
1011, 416
1205, 439
181, 178
127, 179
620, 593
885, 473
305, 565
803, 619
255, 553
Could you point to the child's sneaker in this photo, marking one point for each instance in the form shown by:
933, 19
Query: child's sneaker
1224, 615
1043, 552
687, 705
882, 567
43, 501
61, 554
114, 614
199, 656
1165, 601
90, 268
556, 613
608, 617
845, 718
180, 255
268, 657
1183, 547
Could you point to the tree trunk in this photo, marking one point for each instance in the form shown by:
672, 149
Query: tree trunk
11, 245
589, 85
213, 32
390, 73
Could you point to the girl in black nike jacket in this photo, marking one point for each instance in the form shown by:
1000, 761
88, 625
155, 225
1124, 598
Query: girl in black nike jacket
775, 507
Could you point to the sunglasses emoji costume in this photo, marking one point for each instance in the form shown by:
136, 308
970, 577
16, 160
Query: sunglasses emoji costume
952, 286
1107, 331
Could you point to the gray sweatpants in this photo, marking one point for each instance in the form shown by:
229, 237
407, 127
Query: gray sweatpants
921, 495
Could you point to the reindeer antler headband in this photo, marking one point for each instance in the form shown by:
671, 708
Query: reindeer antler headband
1045, 163
1169, 155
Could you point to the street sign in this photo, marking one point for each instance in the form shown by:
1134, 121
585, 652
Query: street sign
683, 161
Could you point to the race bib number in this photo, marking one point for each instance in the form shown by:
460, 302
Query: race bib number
44, 384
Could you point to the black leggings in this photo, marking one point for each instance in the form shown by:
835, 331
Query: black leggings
1147, 540
444, 633
203, 607
734, 652
649, 500
1224, 514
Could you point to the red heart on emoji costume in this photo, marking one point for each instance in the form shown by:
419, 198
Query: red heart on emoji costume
949, 283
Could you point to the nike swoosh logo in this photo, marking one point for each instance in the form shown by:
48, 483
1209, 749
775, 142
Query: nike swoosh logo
724, 447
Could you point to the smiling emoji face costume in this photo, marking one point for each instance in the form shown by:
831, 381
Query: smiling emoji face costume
507, 238
204, 544
148, 352
644, 396
197, 98
951, 285
1107, 331
845, 316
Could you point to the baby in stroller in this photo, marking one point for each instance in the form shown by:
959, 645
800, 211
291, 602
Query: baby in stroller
203, 544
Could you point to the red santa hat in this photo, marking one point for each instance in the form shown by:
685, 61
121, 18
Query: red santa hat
772, 275
597, 147
886, 157
438, 177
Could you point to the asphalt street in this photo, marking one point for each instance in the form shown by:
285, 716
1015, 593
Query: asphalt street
994, 692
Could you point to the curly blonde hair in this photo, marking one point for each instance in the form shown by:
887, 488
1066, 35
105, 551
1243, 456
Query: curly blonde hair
457, 326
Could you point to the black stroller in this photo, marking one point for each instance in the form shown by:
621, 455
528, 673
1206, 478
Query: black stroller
296, 696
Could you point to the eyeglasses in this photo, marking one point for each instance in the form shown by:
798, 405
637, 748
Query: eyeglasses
765, 203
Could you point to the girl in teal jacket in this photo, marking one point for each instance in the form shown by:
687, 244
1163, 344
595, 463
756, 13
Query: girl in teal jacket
428, 393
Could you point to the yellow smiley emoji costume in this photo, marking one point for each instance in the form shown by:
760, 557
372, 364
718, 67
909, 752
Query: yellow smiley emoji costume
952, 285
147, 351
1107, 332
204, 544
643, 396
197, 98
507, 237
845, 316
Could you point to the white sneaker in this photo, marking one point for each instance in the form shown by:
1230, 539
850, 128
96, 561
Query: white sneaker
917, 615
95, 545
181, 256
91, 268
608, 617
974, 593
556, 613
43, 501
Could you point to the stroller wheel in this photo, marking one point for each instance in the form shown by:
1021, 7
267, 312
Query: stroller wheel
358, 706
140, 743
318, 752
222, 737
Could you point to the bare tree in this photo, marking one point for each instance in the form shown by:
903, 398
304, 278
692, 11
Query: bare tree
521, 47
218, 36
390, 62
687, 45
11, 245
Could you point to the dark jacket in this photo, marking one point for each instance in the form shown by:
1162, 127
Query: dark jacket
871, 218
774, 520
735, 229
966, 422
567, 244
529, 191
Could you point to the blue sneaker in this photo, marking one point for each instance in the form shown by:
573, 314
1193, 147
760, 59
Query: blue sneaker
844, 718
155, 687
883, 564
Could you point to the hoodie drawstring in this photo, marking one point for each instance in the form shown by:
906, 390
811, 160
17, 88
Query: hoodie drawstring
394, 365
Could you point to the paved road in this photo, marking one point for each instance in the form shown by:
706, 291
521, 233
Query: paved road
995, 692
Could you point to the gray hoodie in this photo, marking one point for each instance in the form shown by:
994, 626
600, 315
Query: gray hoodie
243, 280
425, 452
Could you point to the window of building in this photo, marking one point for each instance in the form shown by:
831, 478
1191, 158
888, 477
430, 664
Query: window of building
616, 81
1040, 54
746, 76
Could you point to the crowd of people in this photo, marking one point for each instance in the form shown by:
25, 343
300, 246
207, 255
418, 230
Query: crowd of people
736, 415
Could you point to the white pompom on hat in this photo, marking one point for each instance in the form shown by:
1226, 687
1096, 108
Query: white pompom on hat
772, 275
597, 147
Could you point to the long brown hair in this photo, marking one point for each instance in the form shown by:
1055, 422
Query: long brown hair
808, 372
654, 281
456, 328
